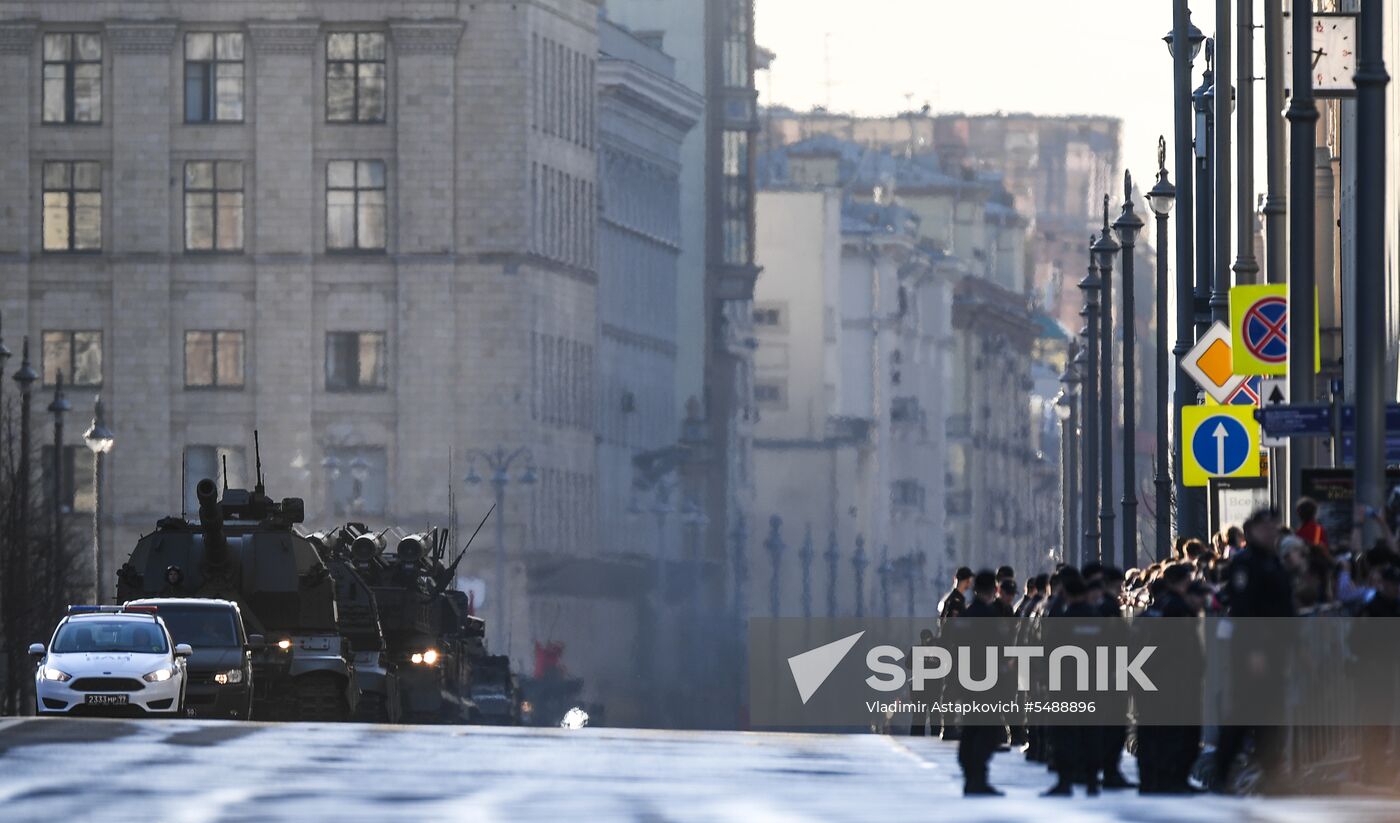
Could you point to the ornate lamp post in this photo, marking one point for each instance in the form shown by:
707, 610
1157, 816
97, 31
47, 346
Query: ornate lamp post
1090, 285
859, 562
775, 546
25, 377
1201, 100
805, 556
832, 555
1160, 200
1128, 225
59, 407
1302, 282
1104, 251
99, 440
499, 461
1067, 414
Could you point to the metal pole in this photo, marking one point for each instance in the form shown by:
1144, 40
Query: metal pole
831, 555
775, 546
1276, 199
858, 564
499, 483
1128, 225
58, 407
1090, 286
805, 555
1368, 310
1224, 102
1205, 147
1185, 256
25, 377
1066, 498
1302, 288
1105, 250
1246, 265
1162, 480
1075, 545
97, 570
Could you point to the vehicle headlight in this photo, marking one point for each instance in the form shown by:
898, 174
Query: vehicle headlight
284, 644
50, 673
159, 675
230, 676
430, 656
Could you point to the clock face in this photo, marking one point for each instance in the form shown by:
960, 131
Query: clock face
1332, 60
1334, 53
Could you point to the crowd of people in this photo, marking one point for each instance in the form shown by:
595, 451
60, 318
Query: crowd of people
1261, 568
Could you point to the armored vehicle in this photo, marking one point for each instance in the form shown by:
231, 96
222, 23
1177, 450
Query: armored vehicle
245, 549
375, 673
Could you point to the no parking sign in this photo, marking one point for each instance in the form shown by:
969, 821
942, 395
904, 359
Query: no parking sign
1259, 330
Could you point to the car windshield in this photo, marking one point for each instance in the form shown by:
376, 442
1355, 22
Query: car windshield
132, 636
201, 628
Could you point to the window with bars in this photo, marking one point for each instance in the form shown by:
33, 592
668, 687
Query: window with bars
214, 77
72, 78
356, 74
214, 359
356, 218
72, 219
214, 205
78, 354
355, 361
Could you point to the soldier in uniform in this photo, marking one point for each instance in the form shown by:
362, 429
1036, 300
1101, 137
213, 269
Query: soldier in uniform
981, 734
1256, 585
953, 604
1114, 734
1075, 753
1167, 753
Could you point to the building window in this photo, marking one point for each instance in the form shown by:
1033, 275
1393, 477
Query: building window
771, 394
355, 361
72, 206
213, 359
78, 354
75, 484
213, 77
355, 205
769, 316
73, 78
736, 57
908, 493
223, 464
738, 199
214, 205
357, 480
355, 77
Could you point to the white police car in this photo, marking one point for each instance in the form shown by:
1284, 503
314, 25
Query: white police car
110, 660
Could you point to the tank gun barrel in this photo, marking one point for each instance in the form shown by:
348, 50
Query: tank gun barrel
211, 517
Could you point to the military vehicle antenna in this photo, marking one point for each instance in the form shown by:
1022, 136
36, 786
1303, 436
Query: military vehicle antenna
257, 456
225, 458
450, 573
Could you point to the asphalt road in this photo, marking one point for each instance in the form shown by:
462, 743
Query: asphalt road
179, 770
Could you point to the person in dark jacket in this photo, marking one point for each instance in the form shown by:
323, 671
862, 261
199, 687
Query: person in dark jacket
1255, 585
1114, 734
955, 601
1167, 753
981, 734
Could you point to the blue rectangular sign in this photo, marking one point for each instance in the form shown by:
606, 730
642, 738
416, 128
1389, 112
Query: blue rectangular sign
1296, 421
1392, 418
1392, 449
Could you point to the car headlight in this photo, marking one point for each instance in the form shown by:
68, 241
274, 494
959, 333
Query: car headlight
50, 673
230, 676
430, 656
159, 675
284, 644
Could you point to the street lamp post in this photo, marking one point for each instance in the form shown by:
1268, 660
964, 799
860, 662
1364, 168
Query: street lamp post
1302, 310
99, 440
776, 547
1202, 99
1069, 471
886, 572
25, 377
1246, 265
1222, 102
1183, 44
1368, 310
499, 462
5, 355
1090, 286
1128, 225
1160, 200
859, 562
805, 556
1105, 250
832, 555
59, 407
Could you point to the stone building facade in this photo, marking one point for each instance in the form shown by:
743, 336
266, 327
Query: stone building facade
365, 230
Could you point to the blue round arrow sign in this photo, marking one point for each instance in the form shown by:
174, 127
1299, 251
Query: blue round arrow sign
1221, 445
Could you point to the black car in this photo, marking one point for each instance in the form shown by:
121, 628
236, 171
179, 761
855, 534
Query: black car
220, 672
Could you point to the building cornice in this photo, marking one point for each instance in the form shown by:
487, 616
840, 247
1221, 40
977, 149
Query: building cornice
17, 37
141, 38
432, 37
284, 37
663, 98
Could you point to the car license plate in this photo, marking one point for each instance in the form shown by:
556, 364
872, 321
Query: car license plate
106, 700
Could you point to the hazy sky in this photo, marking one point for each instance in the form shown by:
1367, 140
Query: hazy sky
1068, 57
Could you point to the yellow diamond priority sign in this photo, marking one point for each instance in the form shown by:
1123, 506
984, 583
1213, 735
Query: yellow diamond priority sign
1218, 441
1210, 364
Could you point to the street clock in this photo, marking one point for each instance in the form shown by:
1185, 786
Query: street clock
1333, 57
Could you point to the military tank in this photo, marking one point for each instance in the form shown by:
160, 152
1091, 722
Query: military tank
376, 674
245, 549
445, 674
